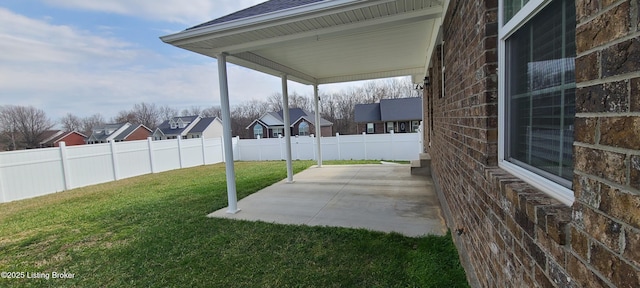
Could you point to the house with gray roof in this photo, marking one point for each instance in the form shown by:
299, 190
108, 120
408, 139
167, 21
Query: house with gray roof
302, 123
188, 127
118, 132
402, 115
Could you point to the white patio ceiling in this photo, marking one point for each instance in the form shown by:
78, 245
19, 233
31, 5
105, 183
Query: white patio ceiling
326, 41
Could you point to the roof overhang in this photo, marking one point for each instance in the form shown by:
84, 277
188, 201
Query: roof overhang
327, 41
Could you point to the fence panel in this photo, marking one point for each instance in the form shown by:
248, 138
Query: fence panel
191, 152
166, 155
213, 150
89, 164
30, 173
133, 158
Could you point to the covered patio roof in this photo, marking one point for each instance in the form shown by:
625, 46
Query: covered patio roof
320, 42
316, 42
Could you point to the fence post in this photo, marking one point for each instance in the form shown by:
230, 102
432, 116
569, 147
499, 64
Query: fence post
280, 143
151, 160
114, 160
237, 155
180, 150
313, 140
222, 148
364, 143
338, 142
65, 165
204, 151
392, 148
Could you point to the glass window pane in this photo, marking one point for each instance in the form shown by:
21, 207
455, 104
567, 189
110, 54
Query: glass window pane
511, 7
541, 92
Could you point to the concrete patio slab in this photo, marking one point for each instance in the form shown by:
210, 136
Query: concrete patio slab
383, 198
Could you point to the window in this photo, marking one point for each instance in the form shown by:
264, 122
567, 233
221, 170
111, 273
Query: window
415, 126
303, 129
537, 96
257, 131
389, 127
370, 128
276, 132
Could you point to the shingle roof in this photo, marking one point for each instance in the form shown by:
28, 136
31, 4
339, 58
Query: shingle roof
401, 109
297, 113
202, 125
367, 112
262, 8
99, 134
165, 127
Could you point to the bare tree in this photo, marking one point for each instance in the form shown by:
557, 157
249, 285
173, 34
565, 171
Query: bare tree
8, 128
166, 112
213, 111
146, 114
28, 124
70, 122
275, 102
124, 116
192, 111
91, 122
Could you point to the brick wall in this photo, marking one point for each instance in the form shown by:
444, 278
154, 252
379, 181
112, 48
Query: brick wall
139, 134
510, 233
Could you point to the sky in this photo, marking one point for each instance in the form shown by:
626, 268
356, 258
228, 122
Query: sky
85, 57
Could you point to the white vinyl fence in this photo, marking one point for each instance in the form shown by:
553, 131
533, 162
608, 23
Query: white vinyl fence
30, 173
399, 146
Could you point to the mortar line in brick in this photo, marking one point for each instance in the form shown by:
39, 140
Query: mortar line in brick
608, 183
606, 114
631, 35
607, 148
600, 13
610, 79
616, 254
591, 268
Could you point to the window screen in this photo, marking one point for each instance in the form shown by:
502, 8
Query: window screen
541, 93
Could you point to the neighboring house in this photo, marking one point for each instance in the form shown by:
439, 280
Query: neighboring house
402, 115
52, 138
302, 123
118, 132
187, 127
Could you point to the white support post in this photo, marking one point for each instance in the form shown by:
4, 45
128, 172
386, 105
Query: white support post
316, 100
180, 151
227, 137
392, 148
151, 159
287, 128
65, 165
114, 160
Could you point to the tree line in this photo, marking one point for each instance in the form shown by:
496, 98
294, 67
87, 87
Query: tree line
23, 127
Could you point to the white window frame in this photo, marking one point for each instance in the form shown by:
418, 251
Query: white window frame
371, 130
308, 129
505, 30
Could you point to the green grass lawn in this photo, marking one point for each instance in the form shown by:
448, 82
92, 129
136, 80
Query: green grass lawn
151, 231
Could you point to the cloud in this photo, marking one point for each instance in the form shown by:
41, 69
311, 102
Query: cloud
62, 70
177, 11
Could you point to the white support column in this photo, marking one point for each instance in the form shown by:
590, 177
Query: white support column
287, 128
65, 165
316, 100
226, 131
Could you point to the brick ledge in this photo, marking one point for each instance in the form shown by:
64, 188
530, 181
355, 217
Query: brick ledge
529, 206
